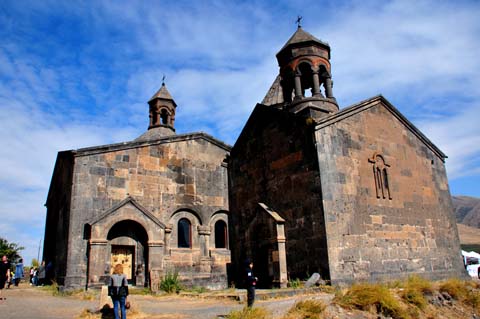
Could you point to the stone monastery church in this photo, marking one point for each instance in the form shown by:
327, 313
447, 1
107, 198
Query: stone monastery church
357, 193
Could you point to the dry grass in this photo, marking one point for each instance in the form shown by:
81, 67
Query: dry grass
311, 309
368, 297
465, 292
249, 313
414, 291
455, 288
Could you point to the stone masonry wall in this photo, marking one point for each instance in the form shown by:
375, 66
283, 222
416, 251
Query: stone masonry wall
371, 238
273, 162
169, 177
58, 216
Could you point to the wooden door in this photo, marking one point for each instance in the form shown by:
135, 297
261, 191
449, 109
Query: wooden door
123, 255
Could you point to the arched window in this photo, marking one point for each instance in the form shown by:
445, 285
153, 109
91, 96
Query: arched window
164, 117
184, 233
305, 70
220, 234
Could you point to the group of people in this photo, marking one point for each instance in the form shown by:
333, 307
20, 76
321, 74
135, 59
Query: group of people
38, 276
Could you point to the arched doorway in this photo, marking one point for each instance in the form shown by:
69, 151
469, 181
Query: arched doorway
128, 245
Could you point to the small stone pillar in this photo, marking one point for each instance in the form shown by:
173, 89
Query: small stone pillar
204, 233
328, 87
282, 255
316, 84
205, 260
96, 260
298, 87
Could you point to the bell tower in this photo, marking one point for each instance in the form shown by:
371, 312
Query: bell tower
161, 115
305, 72
162, 109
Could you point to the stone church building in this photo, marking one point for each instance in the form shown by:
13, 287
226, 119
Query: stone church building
155, 204
353, 194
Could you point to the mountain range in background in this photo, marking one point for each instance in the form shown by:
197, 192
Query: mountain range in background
467, 214
467, 210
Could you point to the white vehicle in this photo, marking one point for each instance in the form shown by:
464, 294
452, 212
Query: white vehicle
473, 270
472, 263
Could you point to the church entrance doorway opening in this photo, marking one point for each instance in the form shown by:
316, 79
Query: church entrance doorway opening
123, 255
128, 243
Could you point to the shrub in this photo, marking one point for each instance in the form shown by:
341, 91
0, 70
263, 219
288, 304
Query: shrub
295, 283
473, 299
328, 289
365, 296
170, 283
139, 291
455, 288
311, 309
415, 290
463, 291
248, 313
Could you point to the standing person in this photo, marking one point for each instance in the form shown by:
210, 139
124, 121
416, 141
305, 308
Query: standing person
35, 276
31, 275
18, 272
41, 274
251, 282
49, 273
118, 290
4, 274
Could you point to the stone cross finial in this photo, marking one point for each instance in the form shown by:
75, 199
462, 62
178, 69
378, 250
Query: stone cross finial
299, 21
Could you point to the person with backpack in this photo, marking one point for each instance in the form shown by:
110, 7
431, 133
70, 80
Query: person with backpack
118, 290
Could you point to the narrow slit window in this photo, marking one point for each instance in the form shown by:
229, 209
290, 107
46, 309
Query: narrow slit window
184, 233
220, 234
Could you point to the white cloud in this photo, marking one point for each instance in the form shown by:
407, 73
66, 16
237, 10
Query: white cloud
419, 49
459, 138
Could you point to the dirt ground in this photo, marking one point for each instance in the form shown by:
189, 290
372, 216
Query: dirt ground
28, 302
38, 302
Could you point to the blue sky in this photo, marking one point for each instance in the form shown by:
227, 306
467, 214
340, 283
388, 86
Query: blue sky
79, 73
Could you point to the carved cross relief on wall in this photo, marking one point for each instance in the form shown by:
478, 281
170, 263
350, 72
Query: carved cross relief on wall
380, 175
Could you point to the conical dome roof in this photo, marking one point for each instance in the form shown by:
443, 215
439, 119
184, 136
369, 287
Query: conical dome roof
301, 36
162, 94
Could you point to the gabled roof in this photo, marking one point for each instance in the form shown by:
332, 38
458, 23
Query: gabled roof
301, 36
276, 216
132, 201
366, 104
133, 144
162, 94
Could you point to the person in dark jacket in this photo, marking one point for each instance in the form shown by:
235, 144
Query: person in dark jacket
4, 274
118, 290
41, 274
251, 282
